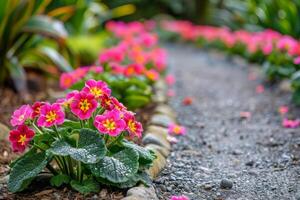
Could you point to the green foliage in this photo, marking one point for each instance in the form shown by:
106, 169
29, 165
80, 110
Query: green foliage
87, 47
146, 157
256, 14
134, 92
90, 147
25, 169
59, 180
117, 168
23, 26
296, 86
84, 159
86, 186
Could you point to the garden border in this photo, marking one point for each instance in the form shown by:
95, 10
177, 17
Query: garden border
155, 138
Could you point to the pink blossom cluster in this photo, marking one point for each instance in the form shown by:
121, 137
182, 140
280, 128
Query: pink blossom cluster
68, 79
287, 122
136, 54
137, 48
94, 102
266, 41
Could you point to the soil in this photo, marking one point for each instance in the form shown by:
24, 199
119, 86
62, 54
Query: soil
225, 155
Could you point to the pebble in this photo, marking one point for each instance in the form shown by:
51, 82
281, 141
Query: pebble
226, 184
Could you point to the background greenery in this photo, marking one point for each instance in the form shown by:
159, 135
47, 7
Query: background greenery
52, 36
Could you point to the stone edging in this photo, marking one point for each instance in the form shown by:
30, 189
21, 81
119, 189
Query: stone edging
156, 139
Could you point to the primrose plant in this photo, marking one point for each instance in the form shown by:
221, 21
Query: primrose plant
84, 140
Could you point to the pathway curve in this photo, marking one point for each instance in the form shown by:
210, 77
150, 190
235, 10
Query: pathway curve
257, 155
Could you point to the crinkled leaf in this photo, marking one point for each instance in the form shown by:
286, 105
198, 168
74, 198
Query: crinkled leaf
118, 168
90, 149
59, 180
140, 177
146, 156
28, 153
26, 169
86, 186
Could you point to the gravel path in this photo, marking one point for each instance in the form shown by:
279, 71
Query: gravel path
256, 156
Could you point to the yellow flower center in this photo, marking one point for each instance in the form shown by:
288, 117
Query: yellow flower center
109, 124
84, 105
177, 129
131, 125
22, 139
51, 116
96, 91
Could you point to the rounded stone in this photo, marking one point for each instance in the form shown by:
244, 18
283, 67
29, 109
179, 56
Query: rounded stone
226, 184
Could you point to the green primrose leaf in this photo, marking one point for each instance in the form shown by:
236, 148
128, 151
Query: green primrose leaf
146, 156
72, 124
26, 169
43, 140
117, 168
28, 153
136, 101
85, 187
90, 149
59, 180
140, 177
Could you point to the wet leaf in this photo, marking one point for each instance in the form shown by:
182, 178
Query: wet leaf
118, 168
90, 149
26, 169
146, 156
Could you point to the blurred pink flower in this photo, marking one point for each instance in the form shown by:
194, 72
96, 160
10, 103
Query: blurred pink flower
297, 60
170, 79
259, 89
171, 93
21, 115
179, 198
283, 110
245, 114
176, 129
287, 123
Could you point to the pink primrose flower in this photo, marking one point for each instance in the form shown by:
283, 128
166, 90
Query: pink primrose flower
110, 123
21, 115
288, 123
51, 114
283, 110
176, 129
20, 137
83, 105
170, 79
96, 88
179, 198
134, 127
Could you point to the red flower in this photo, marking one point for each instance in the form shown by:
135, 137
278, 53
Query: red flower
187, 101
20, 137
134, 127
36, 107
